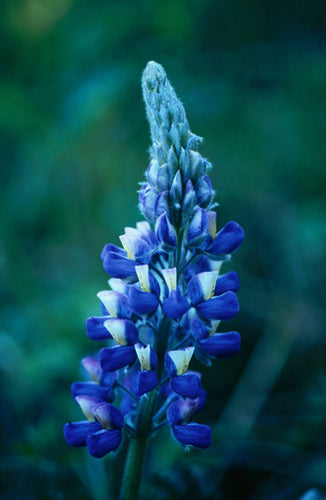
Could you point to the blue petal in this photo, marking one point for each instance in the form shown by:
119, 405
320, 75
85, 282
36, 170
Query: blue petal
192, 434
95, 328
197, 227
154, 285
89, 389
189, 199
142, 381
76, 433
102, 442
151, 172
195, 291
147, 199
181, 411
109, 416
162, 180
186, 385
176, 188
162, 204
176, 305
222, 307
165, 232
142, 302
112, 248
114, 358
227, 282
119, 266
204, 191
227, 240
221, 345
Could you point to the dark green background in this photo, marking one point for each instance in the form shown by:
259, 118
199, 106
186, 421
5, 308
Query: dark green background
74, 139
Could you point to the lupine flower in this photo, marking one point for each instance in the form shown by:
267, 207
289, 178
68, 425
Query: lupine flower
167, 298
101, 432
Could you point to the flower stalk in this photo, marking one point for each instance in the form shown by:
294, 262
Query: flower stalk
137, 448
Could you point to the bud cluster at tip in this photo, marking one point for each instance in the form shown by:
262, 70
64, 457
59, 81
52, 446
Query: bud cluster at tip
176, 178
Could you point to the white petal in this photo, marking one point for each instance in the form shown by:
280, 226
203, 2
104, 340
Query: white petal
207, 281
143, 354
143, 276
127, 244
170, 276
110, 301
181, 358
117, 329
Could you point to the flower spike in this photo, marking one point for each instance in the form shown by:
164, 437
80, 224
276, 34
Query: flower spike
166, 302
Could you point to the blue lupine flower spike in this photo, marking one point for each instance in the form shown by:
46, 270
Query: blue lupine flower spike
166, 302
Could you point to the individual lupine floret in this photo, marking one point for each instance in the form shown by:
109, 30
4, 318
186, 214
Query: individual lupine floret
101, 433
226, 241
175, 304
119, 356
201, 289
145, 379
187, 433
144, 295
115, 305
139, 246
183, 382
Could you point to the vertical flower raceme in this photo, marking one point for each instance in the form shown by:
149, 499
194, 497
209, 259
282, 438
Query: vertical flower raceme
167, 299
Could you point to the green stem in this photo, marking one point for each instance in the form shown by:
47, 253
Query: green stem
137, 448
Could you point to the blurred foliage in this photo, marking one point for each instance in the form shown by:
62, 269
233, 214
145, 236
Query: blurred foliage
73, 139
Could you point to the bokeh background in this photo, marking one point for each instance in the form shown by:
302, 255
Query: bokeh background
74, 140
